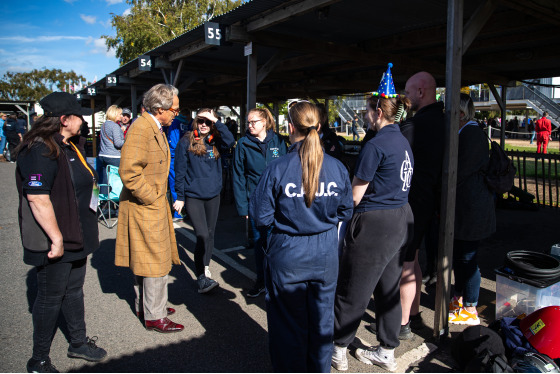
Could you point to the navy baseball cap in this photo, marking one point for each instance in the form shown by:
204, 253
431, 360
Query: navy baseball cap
59, 104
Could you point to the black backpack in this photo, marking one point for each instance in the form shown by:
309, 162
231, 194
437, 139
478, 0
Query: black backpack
500, 173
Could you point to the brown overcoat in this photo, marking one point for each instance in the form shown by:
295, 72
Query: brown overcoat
145, 235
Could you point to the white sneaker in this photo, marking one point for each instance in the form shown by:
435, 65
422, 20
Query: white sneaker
207, 272
339, 360
384, 358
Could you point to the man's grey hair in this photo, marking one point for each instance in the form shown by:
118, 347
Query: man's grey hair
159, 96
467, 107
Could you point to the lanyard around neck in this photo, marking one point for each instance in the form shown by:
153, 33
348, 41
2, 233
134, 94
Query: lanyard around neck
82, 159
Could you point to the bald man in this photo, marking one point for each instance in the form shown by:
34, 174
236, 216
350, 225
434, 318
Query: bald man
425, 133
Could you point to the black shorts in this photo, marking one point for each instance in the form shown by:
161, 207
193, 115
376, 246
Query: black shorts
423, 209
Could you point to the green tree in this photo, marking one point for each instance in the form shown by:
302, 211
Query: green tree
36, 84
151, 23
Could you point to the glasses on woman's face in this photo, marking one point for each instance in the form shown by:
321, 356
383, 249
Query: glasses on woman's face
202, 121
253, 123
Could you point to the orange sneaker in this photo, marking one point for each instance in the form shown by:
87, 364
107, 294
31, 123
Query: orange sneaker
464, 317
455, 305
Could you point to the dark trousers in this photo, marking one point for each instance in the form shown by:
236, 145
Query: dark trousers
466, 271
260, 238
203, 215
300, 279
60, 286
13, 140
102, 163
372, 263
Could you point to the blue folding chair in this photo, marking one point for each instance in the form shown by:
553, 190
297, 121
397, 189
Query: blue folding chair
109, 194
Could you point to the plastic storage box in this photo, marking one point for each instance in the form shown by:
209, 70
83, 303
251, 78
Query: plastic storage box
516, 295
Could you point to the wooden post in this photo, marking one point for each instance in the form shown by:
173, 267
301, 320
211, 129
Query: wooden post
276, 108
94, 135
133, 100
107, 101
449, 172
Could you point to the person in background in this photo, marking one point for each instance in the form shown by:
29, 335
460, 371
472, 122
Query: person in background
198, 183
543, 128
174, 133
303, 196
355, 126
125, 120
425, 133
21, 125
58, 226
3, 118
380, 228
145, 235
111, 139
475, 217
13, 137
253, 153
331, 144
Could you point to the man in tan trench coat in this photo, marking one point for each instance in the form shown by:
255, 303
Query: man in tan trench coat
145, 235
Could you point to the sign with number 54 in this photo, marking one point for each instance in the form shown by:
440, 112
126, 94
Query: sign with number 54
212, 33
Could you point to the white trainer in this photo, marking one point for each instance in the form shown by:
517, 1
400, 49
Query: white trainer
379, 356
339, 360
207, 272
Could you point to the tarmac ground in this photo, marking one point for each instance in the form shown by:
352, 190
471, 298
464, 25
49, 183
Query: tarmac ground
224, 330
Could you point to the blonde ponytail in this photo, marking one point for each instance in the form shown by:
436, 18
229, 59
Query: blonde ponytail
305, 117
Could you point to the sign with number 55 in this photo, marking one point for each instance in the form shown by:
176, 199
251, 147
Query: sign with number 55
212, 33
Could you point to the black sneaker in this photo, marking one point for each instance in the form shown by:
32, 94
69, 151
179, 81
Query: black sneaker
416, 322
404, 334
36, 366
256, 291
206, 284
88, 351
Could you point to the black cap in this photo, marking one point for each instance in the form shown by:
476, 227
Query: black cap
61, 103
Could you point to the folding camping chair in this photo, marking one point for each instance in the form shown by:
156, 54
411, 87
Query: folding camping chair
109, 194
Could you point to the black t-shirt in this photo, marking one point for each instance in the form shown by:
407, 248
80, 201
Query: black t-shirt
39, 172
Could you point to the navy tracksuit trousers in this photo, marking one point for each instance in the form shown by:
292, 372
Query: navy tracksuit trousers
300, 278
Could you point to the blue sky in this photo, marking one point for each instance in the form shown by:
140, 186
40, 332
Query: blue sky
62, 34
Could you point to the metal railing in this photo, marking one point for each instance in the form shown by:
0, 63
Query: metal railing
537, 178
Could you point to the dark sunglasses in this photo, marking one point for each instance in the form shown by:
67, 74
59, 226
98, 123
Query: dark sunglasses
208, 123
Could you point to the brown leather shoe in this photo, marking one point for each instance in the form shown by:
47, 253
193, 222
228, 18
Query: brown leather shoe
164, 325
170, 311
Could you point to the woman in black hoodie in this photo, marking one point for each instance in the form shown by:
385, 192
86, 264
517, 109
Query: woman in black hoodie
198, 183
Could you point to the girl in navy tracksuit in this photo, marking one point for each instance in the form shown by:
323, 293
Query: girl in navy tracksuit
303, 195
198, 183
380, 226
253, 153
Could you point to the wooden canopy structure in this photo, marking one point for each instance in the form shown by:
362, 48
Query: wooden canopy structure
271, 50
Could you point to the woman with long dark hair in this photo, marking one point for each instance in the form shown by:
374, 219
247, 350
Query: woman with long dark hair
253, 152
380, 226
198, 183
303, 196
58, 223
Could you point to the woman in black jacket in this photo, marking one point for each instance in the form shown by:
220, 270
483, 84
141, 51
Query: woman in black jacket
58, 223
198, 183
475, 217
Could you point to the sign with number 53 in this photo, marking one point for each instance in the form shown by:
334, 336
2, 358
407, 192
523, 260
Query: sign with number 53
212, 33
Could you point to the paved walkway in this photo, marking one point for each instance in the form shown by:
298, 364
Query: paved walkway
224, 331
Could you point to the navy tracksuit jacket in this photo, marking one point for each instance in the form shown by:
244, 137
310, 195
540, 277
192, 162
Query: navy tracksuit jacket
200, 176
250, 159
301, 264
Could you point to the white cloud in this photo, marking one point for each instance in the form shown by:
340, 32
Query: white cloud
70, 1
106, 24
99, 47
113, 2
40, 39
88, 19
126, 12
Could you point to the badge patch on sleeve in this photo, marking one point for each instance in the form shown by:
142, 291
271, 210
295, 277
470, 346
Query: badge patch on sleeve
35, 180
